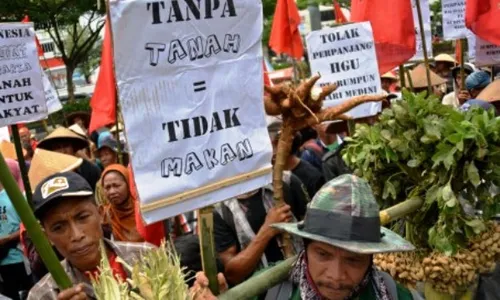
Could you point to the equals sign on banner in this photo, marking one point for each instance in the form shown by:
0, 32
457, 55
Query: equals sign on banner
199, 86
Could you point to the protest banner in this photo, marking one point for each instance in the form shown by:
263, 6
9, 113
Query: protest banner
454, 20
53, 102
191, 92
21, 89
486, 53
471, 42
426, 16
346, 55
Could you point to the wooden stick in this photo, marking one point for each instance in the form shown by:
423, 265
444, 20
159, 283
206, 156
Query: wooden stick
207, 249
424, 45
204, 190
260, 283
410, 80
462, 63
402, 76
42, 245
22, 163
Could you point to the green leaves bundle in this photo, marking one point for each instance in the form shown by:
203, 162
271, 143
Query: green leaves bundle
448, 158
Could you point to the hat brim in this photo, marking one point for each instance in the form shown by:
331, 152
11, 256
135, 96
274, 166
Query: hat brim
114, 149
78, 143
390, 241
56, 198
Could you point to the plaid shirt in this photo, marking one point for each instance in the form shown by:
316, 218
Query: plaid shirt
47, 289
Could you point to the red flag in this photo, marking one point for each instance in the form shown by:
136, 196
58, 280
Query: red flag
26, 19
394, 36
103, 102
482, 17
285, 35
458, 51
267, 81
339, 15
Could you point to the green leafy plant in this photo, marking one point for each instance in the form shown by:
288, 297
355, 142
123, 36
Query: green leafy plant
450, 159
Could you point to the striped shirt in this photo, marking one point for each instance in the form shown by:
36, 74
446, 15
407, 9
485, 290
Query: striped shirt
47, 289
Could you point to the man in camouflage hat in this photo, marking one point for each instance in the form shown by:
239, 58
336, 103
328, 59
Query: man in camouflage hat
341, 232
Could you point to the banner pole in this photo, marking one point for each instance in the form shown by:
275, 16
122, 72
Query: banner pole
424, 46
42, 245
207, 248
22, 164
402, 76
462, 63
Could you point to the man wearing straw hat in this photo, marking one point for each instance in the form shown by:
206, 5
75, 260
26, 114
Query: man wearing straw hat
444, 63
387, 80
65, 141
341, 233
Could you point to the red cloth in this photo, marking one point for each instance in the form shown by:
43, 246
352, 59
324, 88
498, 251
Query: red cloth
483, 18
267, 81
394, 36
285, 36
22, 233
103, 102
153, 233
339, 15
38, 45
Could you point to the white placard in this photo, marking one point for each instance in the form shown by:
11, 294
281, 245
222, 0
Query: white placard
4, 134
346, 55
426, 17
471, 42
53, 102
487, 54
22, 96
191, 90
454, 20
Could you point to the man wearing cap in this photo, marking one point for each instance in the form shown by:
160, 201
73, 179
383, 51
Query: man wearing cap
108, 151
66, 141
476, 82
65, 206
459, 94
341, 233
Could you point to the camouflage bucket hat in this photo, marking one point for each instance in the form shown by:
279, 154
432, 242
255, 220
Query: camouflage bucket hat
344, 214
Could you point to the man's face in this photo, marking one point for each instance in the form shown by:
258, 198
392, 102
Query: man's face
386, 84
107, 157
63, 147
74, 228
79, 121
334, 271
24, 135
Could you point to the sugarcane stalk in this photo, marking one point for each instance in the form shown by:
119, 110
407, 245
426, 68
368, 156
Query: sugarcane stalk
351, 127
400, 210
206, 221
282, 153
424, 45
260, 283
33, 228
22, 163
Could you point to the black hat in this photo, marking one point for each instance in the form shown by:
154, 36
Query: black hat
57, 186
467, 70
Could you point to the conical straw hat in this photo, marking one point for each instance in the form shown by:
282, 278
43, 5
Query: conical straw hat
46, 163
419, 77
491, 93
78, 130
445, 58
389, 75
8, 150
63, 133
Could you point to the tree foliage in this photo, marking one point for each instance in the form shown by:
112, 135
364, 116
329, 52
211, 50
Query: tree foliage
72, 24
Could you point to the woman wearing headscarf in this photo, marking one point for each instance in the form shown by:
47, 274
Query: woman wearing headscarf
119, 212
12, 268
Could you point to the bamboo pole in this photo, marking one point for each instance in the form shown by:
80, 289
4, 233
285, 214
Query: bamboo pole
402, 76
33, 228
260, 283
22, 163
410, 80
424, 46
400, 210
207, 249
462, 63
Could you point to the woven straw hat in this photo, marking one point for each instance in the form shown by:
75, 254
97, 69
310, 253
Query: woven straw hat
46, 163
419, 77
63, 133
445, 58
491, 93
78, 130
389, 75
8, 150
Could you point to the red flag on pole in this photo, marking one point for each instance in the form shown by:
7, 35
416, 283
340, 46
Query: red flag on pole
26, 19
285, 35
339, 15
103, 102
394, 36
483, 18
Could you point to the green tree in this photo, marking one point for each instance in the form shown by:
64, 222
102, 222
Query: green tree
80, 21
436, 17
